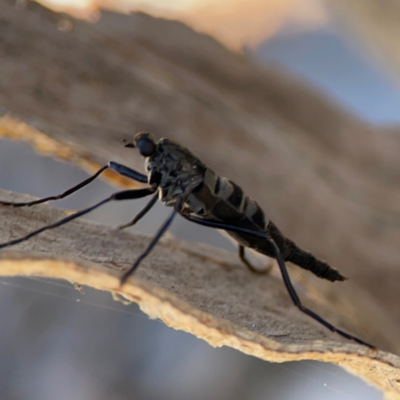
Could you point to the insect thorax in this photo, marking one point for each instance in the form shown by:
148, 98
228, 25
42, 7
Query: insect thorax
175, 170
178, 173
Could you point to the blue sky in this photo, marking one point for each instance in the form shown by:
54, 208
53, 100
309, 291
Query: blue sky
341, 68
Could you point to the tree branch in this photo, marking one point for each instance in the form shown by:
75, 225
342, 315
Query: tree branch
213, 297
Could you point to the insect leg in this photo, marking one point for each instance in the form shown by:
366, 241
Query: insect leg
149, 247
291, 252
284, 273
249, 265
141, 213
128, 172
305, 310
124, 195
121, 169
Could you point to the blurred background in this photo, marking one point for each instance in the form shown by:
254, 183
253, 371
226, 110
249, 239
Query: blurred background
56, 342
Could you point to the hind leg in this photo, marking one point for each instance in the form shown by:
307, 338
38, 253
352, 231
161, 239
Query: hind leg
291, 252
249, 265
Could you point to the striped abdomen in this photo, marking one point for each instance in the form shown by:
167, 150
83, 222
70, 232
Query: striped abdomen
218, 198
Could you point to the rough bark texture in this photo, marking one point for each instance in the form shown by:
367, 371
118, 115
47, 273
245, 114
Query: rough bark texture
212, 296
328, 180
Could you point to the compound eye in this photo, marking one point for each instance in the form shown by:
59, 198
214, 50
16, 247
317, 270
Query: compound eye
146, 147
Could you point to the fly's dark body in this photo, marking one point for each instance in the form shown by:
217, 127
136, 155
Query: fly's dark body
180, 174
180, 180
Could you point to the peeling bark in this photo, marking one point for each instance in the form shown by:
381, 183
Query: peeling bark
213, 297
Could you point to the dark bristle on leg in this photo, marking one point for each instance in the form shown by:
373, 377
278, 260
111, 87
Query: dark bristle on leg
284, 273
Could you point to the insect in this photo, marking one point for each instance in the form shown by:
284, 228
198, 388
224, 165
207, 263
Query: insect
180, 180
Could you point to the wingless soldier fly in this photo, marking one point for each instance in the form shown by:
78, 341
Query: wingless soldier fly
180, 180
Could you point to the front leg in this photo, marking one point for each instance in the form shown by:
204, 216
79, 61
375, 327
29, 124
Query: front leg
118, 196
121, 169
